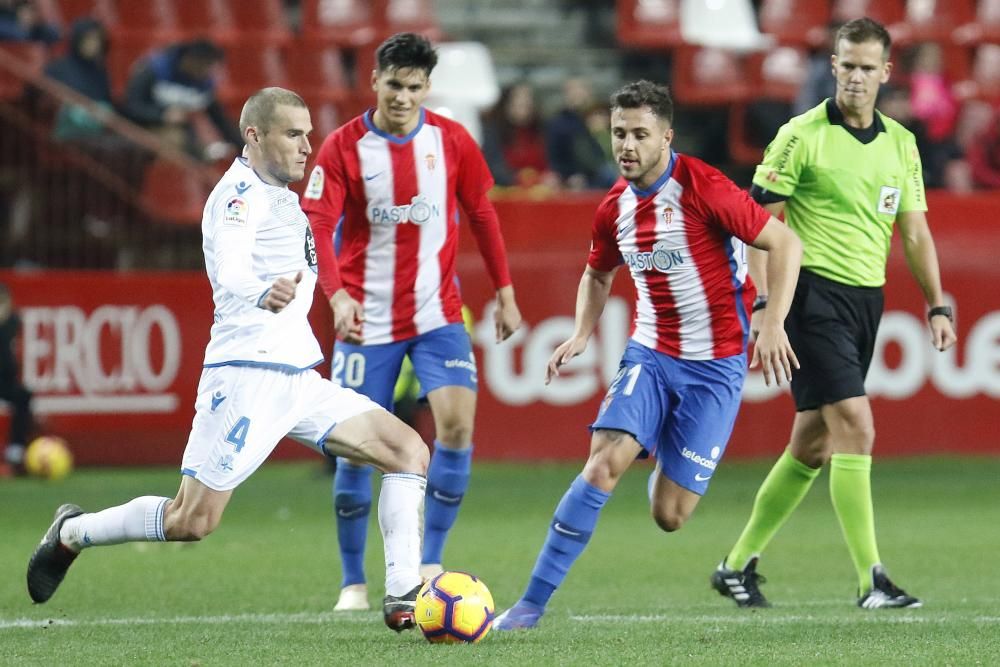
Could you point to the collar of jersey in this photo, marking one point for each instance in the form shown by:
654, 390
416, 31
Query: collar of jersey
659, 182
245, 163
836, 117
370, 124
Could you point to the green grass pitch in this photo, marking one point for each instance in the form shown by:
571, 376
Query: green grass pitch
261, 589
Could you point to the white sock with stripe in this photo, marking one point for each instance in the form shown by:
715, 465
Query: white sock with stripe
139, 520
400, 516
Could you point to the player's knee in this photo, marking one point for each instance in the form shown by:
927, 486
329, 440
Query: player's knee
814, 458
407, 453
814, 453
669, 519
600, 473
455, 431
865, 434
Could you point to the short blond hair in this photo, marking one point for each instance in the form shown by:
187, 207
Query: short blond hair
259, 108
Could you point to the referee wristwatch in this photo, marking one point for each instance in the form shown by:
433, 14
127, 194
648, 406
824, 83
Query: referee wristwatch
941, 310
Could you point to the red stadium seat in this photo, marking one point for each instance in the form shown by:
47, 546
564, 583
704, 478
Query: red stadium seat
984, 28
706, 76
775, 76
122, 57
28, 54
649, 24
411, 16
342, 22
986, 72
957, 61
268, 24
229, 23
317, 74
148, 21
207, 17
326, 117
795, 21
102, 10
173, 194
48, 11
249, 67
885, 12
931, 20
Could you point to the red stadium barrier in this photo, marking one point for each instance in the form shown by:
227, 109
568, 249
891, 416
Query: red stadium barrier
114, 358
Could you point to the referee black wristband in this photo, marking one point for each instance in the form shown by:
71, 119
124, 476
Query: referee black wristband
760, 303
941, 310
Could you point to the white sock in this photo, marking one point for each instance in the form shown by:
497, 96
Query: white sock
400, 516
139, 520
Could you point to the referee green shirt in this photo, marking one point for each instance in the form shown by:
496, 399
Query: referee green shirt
843, 188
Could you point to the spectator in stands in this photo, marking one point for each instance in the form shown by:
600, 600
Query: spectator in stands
20, 21
984, 155
83, 69
168, 89
942, 160
598, 119
513, 143
12, 390
819, 84
931, 94
573, 151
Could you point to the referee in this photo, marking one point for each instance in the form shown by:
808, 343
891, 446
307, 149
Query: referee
842, 174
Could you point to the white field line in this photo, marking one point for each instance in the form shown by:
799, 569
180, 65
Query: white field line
317, 618
261, 619
765, 618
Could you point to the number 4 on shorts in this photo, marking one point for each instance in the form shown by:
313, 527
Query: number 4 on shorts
238, 434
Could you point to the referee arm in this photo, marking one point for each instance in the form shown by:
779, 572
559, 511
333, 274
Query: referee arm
921, 257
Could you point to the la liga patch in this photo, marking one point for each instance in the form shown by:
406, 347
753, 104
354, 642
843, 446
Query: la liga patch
237, 211
888, 200
315, 188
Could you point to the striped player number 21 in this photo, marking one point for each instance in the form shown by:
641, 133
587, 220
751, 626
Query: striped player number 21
633, 377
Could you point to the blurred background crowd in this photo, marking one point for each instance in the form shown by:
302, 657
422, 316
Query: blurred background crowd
136, 104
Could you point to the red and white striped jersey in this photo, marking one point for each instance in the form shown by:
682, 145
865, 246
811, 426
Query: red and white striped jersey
683, 241
392, 204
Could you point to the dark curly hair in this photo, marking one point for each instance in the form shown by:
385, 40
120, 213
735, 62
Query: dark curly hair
645, 94
405, 50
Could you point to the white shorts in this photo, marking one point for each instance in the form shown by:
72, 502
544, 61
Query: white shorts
243, 412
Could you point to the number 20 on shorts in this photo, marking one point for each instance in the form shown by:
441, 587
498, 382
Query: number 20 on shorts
348, 369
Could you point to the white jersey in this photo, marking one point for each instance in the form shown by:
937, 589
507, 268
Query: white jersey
253, 234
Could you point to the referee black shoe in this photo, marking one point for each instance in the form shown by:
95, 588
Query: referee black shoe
400, 612
886, 595
742, 587
51, 558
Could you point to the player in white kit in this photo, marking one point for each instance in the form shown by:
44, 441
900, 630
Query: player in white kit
258, 382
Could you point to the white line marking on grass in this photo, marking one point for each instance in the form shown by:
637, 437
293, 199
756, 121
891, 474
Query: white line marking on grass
323, 617
263, 619
887, 616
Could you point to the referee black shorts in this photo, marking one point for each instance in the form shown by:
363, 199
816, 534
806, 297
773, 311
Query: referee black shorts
832, 328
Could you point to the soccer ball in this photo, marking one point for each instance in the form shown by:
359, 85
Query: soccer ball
454, 608
48, 457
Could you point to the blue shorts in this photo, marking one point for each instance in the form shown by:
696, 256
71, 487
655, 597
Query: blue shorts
441, 358
680, 411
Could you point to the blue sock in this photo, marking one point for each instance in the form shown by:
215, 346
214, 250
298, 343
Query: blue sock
352, 501
447, 480
571, 528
